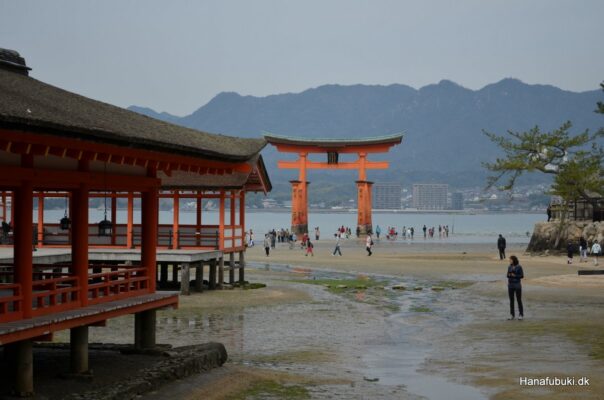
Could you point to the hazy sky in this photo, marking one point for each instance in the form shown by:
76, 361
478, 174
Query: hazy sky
175, 55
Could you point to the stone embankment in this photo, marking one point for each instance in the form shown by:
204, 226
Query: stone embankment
179, 363
554, 236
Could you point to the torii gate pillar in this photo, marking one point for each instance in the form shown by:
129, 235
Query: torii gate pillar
299, 207
364, 207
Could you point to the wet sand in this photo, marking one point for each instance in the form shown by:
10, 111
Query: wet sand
298, 340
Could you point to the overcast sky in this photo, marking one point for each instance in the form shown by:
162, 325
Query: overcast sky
175, 55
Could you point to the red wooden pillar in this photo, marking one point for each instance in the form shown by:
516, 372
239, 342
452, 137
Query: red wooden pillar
79, 240
242, 215
113, 217
12, 206
22, 208
40, 219
149, 219
175, 220
221, 221
364, 206
4, 206
233, 198
198, 218
130, 223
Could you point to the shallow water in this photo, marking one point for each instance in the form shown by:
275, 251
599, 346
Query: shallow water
337, 337
397, 354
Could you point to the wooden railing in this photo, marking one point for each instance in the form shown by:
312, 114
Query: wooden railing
117, 283
54, 289
54, 292
189, 236
10, 302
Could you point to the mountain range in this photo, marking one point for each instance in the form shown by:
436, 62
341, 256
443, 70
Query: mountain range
443, 123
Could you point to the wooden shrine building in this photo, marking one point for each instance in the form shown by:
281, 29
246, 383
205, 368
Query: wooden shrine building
362, 147
57, 143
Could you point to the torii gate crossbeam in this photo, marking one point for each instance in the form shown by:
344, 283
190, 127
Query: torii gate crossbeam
332, 147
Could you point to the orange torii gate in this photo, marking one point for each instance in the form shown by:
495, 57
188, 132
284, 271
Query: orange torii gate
332, 147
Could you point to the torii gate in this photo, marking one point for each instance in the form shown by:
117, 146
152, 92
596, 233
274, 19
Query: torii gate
332, 147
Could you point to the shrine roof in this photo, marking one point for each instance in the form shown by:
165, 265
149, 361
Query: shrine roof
29, 105
334, 142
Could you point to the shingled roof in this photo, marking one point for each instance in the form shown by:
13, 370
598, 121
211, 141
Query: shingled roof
31, 105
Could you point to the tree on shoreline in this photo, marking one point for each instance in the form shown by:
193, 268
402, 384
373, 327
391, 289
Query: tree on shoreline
575, 161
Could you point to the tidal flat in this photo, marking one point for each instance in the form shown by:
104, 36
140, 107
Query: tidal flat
357, 330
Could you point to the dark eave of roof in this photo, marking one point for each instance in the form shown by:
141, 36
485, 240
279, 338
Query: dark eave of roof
333, 142
27, 104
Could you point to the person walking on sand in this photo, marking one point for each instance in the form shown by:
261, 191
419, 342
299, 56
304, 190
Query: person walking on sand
369, 244
582, 249
378, 230
337, 248
317, 233
501, 245
309, 247
251, 244
267, 244
424, 229
515, 274
570, 249
596, 250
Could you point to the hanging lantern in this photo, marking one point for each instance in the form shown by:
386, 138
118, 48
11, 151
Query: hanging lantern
65, 222
105, 227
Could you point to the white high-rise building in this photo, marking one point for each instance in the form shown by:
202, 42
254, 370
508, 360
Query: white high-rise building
430, 196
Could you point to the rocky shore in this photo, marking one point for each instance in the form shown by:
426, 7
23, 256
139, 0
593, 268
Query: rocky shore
555, 235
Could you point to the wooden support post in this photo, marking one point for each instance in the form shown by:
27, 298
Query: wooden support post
212, 278
175, 220
198, 219
242, 216
231, 268
23, 205
12, 207
163, 275
220, 272
40, 236
299, 208
242, 267
78, 343
144, 329
23, 367
4, 207
185, 279
113, 217
130, 223
150, 205
175, 273
221, 221
364, 207
199, 277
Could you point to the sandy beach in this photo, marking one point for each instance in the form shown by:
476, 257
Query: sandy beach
421, 320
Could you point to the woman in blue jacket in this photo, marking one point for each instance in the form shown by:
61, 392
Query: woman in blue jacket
515, 274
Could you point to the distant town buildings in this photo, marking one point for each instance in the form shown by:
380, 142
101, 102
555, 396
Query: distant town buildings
457, 201
387, 196
430, 196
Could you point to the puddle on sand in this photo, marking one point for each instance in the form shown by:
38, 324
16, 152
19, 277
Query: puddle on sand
396, 355
399, 360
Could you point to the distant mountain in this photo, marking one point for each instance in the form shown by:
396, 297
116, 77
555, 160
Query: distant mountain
442, 122
164, 116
